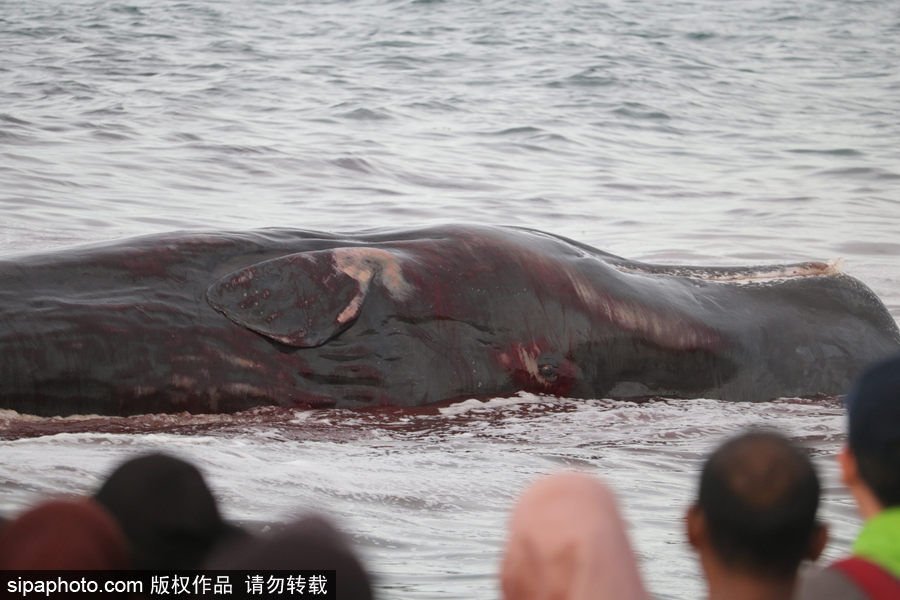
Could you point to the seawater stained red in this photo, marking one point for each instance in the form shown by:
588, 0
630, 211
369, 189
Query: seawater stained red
16, 426
274, 422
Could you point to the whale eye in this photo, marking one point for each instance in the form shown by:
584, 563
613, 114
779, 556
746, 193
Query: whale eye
549, 371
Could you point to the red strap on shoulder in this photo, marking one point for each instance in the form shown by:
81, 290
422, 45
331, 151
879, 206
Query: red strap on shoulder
876, 582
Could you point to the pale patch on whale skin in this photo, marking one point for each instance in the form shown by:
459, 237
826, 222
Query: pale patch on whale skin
362, 264
529, 361
675, 333
232, 389
183, 381
663, 329
742, 275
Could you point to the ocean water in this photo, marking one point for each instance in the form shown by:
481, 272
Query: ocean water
679, 131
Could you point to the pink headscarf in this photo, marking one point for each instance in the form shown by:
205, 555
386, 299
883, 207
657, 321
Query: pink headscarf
567, 541
63, 535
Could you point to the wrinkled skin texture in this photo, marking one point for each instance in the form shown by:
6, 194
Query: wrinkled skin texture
221, 322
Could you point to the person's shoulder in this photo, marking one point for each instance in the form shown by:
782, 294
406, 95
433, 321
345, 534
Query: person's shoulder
827, 583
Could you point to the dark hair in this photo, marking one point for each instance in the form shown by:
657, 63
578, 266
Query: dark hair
881, 472
312, 542
873, 411
759, 493
166, 511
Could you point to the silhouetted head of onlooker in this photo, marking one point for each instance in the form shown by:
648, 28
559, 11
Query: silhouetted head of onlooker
871, 462
567, 541
870, 467
311, 543
754, 520
65, 535
166, 511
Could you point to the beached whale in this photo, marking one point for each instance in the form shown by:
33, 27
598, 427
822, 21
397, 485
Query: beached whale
220, 322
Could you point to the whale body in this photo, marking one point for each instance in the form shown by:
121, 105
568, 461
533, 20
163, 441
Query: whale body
226, 321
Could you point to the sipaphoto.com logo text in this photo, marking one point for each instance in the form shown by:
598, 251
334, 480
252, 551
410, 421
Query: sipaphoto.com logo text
26, 586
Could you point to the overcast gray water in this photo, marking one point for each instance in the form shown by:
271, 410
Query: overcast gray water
735, 132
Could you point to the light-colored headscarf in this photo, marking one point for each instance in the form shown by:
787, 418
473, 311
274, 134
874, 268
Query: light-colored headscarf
567, 541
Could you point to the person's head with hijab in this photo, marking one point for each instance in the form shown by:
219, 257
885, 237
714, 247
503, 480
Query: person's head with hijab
567, 541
